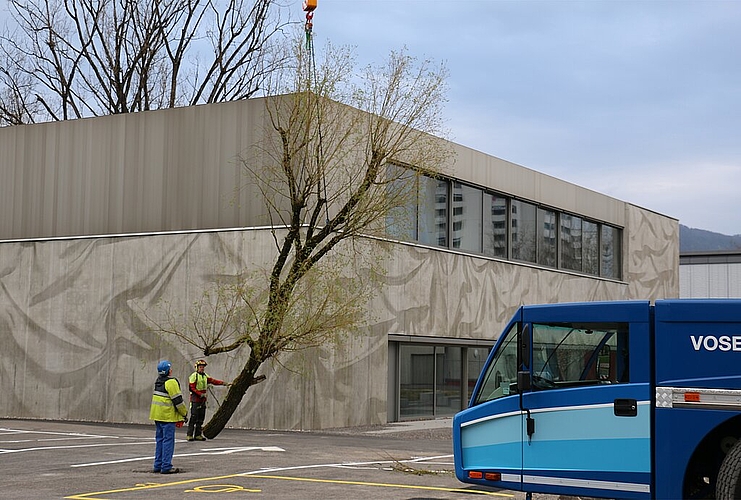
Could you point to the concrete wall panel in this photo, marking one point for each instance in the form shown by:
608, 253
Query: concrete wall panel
177, 169
73, 324
165, 170
73, 312
650, 254
512, 179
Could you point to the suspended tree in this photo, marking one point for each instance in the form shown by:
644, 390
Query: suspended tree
64, 59
343, 152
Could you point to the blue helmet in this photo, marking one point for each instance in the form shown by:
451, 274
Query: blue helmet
163, 368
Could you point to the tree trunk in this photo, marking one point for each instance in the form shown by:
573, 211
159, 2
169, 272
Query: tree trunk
231, 402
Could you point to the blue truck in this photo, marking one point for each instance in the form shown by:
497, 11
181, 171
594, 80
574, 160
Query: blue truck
622, 399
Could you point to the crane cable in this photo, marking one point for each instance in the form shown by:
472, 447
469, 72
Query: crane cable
309, 6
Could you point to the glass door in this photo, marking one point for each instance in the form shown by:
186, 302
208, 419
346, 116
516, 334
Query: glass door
430, 381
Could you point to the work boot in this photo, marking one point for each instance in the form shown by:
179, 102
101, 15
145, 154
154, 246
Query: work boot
189, 438
200, 438
174, 470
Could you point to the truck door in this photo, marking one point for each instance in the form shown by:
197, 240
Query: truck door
587, 417
487, 437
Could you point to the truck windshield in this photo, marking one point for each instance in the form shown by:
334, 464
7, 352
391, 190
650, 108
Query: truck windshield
564, 355
501, 375
579, 354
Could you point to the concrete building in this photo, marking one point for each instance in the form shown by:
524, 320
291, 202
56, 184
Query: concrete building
714, 275
105, 219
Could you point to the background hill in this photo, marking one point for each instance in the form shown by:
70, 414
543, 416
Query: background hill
700, 240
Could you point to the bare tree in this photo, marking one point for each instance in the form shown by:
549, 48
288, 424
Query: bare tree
75, 58
343, 153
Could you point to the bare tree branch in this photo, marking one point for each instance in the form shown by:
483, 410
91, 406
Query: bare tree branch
99, 57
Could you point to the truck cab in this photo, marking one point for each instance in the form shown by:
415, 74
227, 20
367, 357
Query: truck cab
608, 399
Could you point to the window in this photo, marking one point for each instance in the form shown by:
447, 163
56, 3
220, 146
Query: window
547, 231
502, 372
590, 247
610, 246
495, 226
523, 230
417, 380
571, 242
450, 214
466, 217
430, 380
401, 221
567, 355
433, 211
476, 360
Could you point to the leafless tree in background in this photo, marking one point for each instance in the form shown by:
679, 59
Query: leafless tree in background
69, 59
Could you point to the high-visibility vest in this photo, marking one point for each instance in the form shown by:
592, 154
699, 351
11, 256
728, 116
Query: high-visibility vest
200, 380
167, 401
198, 383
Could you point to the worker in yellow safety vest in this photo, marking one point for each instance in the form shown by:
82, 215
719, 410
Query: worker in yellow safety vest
198, 383
168, 410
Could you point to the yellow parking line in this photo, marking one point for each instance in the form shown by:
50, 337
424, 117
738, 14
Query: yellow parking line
386, 485
148, 486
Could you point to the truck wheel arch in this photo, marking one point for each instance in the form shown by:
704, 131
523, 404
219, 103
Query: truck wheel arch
728, 486
703, 468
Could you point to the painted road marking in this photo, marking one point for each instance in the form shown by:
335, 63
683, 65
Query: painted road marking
346, 464
221, 488
213, 451
72, 434
16, 441
72, 446
63, 436
388, 485
149, 486
261, 475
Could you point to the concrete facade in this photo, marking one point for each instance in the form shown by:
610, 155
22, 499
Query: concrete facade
106, 218
710, 275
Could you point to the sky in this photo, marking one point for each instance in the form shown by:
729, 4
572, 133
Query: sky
637, 100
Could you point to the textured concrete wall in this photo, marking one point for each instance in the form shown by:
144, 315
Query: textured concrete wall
76, 346
650, 254
72, 312
165, 170
515, 180
178, 169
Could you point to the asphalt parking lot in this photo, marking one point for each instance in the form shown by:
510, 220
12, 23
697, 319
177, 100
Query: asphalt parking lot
83, 461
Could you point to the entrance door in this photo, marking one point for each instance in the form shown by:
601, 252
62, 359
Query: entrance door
430, 380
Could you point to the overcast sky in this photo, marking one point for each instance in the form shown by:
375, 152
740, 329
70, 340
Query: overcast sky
638, 100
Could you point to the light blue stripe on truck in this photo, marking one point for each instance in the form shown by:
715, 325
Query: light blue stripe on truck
567, 438
493, 442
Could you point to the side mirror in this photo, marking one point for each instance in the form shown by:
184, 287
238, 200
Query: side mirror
525, 346
524, 382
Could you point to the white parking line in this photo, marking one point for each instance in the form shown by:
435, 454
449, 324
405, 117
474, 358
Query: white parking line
68, 434
214, 451
72, 446
343, 465
63, 436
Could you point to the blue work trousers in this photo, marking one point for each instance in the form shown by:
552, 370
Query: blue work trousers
165, 447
